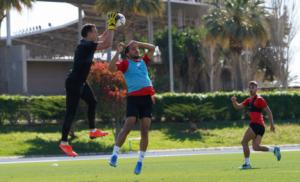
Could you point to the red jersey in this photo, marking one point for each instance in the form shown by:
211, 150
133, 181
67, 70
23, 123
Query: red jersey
255, 105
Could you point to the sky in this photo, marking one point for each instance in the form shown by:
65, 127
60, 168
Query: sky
41, 14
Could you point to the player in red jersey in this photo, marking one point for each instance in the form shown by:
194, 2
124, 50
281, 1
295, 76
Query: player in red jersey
255, 105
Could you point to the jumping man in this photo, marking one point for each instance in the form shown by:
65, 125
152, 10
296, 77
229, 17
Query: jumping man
76, 85
139, 96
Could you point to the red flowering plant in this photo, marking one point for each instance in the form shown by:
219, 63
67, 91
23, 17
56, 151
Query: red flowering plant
110, 91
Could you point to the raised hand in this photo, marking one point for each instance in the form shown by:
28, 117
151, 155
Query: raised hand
233, 98
111, 20
120, 47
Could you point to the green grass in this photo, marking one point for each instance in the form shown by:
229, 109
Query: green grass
210, 168
43, 139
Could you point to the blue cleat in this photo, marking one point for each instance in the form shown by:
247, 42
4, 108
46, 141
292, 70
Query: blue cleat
138, 168
113, 161
277, 153
246, 166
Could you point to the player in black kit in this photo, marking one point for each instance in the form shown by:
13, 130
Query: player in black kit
76, 85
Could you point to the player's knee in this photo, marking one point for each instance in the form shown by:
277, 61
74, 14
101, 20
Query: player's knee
244, 143
144, 132
93, 103
126, 129
255, 147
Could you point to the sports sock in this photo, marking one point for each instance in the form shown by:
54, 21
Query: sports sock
141, 156
64, 143
271, 149
93, 130
116, 150
247, 160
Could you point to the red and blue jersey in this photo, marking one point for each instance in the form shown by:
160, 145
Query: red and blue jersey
136, 76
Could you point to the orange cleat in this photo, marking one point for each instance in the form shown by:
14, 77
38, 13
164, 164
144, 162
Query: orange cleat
98, 133
67, 149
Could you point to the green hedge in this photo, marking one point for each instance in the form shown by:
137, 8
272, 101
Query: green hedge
33, 109
284, 105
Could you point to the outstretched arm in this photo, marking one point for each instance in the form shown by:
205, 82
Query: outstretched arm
112, 65
105, 40
235, 104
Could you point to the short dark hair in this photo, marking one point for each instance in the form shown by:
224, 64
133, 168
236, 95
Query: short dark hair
86, 29
124, 52
127, 49
253, 83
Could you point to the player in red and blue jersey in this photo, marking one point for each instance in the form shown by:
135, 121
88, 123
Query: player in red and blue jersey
140, 95
255, 105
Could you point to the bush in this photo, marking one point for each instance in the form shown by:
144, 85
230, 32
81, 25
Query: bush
284, 105
192, 112
33, 109
110, 90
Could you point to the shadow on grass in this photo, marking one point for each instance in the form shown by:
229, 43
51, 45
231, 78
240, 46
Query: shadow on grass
253, 168
47, 128
39, 146
171, 126
182, 131
179, 131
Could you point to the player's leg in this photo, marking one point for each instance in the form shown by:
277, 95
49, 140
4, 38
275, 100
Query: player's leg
145, 112
88, 96
128, 125
72, 100
145, 127
131, 114
256, 144
249, 135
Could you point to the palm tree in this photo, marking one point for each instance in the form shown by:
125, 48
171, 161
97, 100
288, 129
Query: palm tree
131, 8
238, 26
9, 4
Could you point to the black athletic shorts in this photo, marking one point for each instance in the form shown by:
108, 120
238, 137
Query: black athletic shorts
258, 129
139, 106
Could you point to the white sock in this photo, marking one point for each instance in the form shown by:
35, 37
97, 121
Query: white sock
141, 156
64, 143
271, 149
116, 150
93, 130
247, 160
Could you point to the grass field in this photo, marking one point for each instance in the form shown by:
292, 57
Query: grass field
210, 168
43, 139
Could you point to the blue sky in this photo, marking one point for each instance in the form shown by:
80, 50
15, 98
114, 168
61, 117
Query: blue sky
42, 14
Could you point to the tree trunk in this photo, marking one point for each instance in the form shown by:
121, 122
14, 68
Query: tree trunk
150, 29
211, 69
236, 66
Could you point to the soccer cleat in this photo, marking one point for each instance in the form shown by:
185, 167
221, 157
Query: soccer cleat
98, 133
138, 168
113, 161
277, 153
67, 149
112, 20
245, 166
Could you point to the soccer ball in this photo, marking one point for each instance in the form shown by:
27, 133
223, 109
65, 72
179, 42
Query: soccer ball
121, 20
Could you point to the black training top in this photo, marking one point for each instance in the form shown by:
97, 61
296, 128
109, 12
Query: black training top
83, 59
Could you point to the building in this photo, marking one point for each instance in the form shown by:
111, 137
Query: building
39, 60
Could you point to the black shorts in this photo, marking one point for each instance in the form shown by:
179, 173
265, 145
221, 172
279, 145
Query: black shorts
139, 106
258, 129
